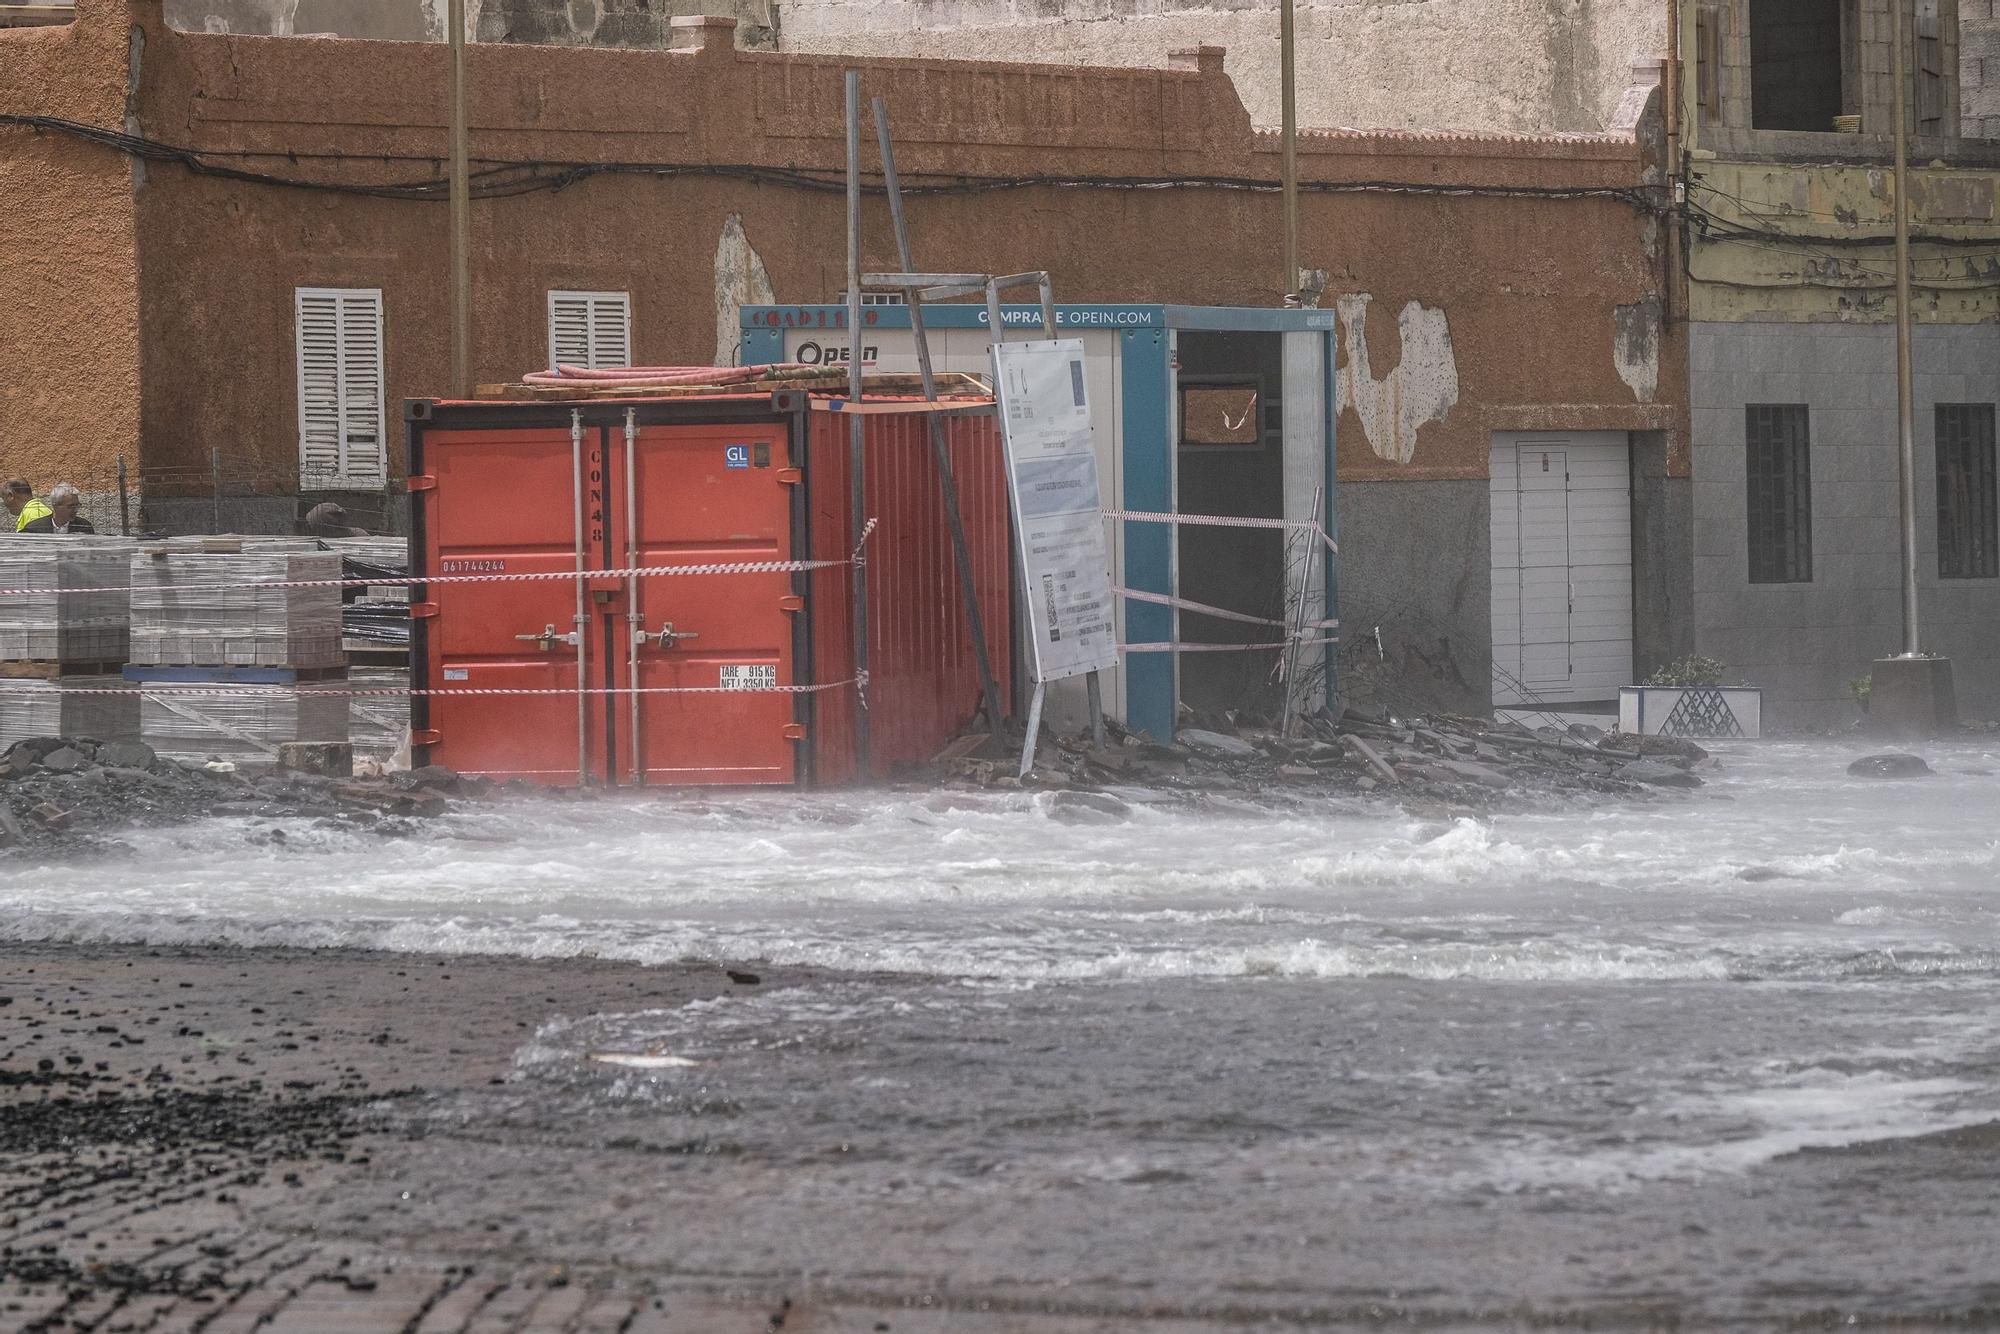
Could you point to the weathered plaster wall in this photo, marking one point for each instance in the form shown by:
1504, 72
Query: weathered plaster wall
1824, 274
1520, 66
1416, 562
641, 23
1662, 556
386, 20
1517, 66
69, 307
1528, 296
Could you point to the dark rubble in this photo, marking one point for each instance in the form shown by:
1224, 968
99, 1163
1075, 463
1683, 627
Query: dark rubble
1432, 764
75, 794
70, 795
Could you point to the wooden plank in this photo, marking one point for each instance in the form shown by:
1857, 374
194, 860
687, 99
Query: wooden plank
947, 406
37, 669
1373, 758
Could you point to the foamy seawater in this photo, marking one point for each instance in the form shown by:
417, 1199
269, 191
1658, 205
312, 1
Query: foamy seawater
1252, 1016
1782, 868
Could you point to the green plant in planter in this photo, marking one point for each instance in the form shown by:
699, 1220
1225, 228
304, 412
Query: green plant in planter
1693, 670
1860, 687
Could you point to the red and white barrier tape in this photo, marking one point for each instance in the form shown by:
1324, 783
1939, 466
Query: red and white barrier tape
406, 581
173, 690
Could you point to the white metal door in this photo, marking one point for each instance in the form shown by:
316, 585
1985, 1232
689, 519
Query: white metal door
1562, 567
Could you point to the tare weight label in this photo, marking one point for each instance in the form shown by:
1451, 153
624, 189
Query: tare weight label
755, 676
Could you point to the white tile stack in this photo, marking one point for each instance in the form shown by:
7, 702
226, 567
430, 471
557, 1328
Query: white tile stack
380, 722
245, 724
66, 610
103, 708
209, 608
72, 605
208, 603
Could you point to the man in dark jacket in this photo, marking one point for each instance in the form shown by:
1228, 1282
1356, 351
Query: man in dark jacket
64, 502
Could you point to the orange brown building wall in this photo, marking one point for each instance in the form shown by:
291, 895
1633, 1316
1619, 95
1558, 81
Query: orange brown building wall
1521, 296
69, 270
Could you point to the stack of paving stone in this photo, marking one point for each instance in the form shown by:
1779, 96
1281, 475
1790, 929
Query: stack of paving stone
65, 628
66, 601
229, 615
212, 606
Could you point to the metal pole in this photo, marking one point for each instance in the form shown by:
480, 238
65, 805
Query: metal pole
635, 622
968, 587
1298, 615
124, 502
856, 463
215, 490
1289, 131
1905, 372
582, 619
461, 213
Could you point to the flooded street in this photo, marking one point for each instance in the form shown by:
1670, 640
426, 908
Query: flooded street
1731, 1057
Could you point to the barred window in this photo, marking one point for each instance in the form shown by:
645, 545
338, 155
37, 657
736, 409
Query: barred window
1967, 545
1779, 471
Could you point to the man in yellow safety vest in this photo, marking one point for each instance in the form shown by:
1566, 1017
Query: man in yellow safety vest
19, 498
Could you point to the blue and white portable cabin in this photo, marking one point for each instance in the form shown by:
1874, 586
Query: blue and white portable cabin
1214, 410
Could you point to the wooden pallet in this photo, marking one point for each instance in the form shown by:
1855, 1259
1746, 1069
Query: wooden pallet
38, 669
230, 674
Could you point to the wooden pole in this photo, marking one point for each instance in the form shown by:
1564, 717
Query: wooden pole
1287, 44
461, 213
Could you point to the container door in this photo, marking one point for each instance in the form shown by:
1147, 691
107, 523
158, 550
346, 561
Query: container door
706, 495
505, 503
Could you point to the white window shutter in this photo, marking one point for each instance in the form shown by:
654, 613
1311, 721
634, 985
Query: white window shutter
342, 391
590, 329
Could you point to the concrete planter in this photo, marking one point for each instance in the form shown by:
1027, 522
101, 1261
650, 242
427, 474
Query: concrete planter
1695, 712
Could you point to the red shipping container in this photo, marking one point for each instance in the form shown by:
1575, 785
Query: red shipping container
923, 677
613, 679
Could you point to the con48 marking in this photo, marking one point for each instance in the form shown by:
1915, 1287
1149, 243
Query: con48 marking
595, 467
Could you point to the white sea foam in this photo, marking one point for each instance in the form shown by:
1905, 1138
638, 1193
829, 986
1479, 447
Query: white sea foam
1752, 1126
1802, 873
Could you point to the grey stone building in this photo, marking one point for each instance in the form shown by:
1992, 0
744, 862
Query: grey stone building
1795, 530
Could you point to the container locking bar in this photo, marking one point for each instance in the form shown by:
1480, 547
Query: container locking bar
548, 639
665, 637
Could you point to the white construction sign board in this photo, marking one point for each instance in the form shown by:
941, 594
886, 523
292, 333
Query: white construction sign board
1058, 513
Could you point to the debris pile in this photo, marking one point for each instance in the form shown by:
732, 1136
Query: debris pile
1457, 763
76, 793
